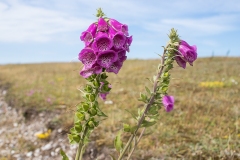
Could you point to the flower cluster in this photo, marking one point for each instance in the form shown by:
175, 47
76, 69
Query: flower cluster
186, 53
106, 44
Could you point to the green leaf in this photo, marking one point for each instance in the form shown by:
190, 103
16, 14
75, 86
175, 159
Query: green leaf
100, 113
148, 123
133, 115
118, 144
64, 156
148, 90
143, 98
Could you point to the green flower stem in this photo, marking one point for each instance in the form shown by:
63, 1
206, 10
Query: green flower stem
88, 112
135, 145
149, 104
81, 145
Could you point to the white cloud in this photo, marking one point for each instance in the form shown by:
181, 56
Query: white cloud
30, 23
198, 26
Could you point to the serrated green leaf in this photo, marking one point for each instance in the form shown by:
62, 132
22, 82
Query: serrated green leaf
63, 154
118, 144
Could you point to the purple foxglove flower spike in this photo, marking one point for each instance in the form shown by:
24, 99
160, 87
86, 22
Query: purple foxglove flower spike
102, 42
168, 102
95, 69
119, 26
105, 59
115, 67
189, 53
88, 35
87, 57
102, 25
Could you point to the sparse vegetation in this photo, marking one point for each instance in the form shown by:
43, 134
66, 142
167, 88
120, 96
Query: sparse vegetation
205, 121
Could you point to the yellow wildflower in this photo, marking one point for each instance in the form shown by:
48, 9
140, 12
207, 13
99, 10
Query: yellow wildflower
212, 84
44, 135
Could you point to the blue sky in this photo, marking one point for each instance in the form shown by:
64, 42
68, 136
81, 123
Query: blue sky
48, 30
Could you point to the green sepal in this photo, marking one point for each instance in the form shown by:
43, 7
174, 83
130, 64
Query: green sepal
105, 88
91, 97
104, 76
164, 88
63, 154
88, 89
96, 84
79, 117
91, 124
70, 138
78, 128
118, 144
73, 131
85, 106
76, 138
92, 111
168, 67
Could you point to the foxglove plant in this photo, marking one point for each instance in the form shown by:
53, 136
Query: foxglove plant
178, 50
106, 44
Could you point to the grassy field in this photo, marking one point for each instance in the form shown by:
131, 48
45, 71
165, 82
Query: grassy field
204, 123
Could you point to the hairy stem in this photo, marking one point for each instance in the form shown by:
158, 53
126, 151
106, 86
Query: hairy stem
134, 147
149, 104
81, 145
